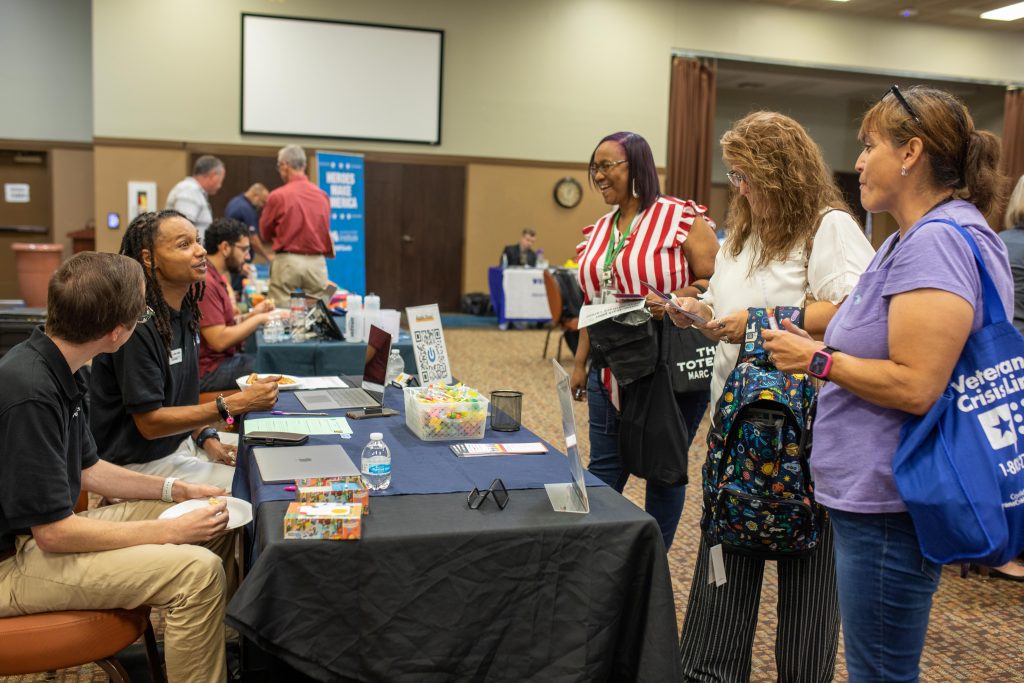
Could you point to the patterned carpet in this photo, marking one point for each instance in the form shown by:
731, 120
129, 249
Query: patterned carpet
976, 626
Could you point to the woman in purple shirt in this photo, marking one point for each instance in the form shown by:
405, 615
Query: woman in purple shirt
889, 353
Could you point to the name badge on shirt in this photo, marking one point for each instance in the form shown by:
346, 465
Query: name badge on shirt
175, 356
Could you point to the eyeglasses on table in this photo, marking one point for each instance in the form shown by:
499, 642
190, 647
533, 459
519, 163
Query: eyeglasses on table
477, 497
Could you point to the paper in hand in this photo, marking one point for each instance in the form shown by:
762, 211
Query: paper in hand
673, 305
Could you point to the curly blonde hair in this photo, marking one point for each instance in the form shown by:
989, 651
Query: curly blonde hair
786, 171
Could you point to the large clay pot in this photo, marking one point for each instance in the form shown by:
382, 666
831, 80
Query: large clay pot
36, 264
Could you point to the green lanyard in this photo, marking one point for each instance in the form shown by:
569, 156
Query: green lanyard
616, 246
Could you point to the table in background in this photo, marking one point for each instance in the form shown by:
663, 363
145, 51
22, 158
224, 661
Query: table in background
518, 294
321, 358
435, 591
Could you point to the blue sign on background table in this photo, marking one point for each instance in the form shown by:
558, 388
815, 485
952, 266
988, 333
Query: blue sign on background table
341, 177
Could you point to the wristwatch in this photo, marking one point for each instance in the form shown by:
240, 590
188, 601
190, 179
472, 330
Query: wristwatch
207, 433
821, 363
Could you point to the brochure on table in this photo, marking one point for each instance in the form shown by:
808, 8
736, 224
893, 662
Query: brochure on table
428, 344
571, 497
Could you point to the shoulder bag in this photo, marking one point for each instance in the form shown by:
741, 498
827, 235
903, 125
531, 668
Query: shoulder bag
960, 467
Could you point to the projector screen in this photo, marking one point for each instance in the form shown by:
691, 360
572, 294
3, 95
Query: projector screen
308, 77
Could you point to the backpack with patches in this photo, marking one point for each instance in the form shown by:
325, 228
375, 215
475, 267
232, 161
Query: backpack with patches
758, 495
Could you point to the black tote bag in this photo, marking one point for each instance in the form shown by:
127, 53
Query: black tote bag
653, 438
691, 359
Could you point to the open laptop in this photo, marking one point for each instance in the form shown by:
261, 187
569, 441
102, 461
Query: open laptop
288, 463
370, 394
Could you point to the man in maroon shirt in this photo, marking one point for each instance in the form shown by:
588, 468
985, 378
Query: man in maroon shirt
296, 223
221, 331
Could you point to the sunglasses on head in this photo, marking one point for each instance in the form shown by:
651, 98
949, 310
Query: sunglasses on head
895, 90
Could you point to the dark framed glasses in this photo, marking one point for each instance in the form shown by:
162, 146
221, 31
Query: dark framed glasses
496, 490
146, 316
895, 90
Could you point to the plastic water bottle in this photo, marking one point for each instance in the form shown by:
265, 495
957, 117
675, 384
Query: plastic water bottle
297, 307
396, 366
273, 331
375, 463
371, 313
541, 261
354, 318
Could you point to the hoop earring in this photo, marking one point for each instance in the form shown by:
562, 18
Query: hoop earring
636, 195
903, 171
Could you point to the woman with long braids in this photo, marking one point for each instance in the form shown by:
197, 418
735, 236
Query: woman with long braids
144, 413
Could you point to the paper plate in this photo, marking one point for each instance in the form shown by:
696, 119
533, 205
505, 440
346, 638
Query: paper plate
287, 383
239, 511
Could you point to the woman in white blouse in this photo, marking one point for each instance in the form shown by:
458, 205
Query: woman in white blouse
791, 242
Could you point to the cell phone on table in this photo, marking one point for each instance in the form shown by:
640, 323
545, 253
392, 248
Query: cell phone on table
673, 305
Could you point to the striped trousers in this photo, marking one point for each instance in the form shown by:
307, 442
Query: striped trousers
718, 633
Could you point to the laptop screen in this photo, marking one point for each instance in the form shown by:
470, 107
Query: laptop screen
378, 346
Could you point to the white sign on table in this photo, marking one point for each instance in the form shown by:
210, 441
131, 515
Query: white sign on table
525, 295
428, 344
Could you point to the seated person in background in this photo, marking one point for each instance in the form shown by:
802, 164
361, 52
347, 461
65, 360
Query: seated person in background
521, 254
119, 556
246, 207
144, 411
221, 331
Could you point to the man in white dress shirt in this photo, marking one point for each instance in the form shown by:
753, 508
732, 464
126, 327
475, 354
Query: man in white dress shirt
191, 197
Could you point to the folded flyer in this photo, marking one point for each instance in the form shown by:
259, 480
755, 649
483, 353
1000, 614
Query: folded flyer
474, 450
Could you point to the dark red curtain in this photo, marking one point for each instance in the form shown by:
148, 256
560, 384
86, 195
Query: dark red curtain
691, 129
1013, 134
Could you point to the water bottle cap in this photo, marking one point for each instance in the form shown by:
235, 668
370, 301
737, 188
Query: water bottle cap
376, 436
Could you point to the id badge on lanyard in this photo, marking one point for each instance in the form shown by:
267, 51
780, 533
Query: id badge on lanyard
608, 288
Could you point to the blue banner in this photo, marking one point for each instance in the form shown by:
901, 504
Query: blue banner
341, 177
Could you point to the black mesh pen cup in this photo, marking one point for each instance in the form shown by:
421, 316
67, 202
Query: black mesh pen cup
506, 410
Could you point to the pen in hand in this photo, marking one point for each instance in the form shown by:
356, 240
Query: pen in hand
281, 412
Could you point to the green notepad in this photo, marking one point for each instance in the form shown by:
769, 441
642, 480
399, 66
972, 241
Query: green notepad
300, 425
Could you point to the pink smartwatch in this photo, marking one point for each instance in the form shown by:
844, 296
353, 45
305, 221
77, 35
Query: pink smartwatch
821, 363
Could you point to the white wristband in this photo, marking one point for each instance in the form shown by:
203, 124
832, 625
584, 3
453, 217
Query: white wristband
165, 495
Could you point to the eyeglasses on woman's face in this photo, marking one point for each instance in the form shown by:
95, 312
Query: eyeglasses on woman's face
604, 167
146, 316
735, 178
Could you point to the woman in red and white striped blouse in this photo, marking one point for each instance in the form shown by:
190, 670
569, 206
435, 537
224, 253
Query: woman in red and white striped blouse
646, 237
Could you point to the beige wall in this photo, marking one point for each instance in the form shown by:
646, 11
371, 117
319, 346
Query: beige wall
114, 167
73, 192
532, 79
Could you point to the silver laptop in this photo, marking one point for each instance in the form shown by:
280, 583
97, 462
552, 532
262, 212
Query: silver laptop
288, 463
370, 394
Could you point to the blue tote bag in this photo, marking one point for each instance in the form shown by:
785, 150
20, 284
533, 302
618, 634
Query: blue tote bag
960, 467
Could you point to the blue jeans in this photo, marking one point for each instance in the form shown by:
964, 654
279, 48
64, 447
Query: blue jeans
885, 594
664, 503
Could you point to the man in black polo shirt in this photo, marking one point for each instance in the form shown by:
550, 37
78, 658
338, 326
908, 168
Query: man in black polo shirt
144, 396
117, 556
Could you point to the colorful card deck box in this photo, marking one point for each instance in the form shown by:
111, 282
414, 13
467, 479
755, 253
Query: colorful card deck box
333, 490
332, 521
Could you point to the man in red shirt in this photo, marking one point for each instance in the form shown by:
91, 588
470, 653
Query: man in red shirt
296, 223
222, 332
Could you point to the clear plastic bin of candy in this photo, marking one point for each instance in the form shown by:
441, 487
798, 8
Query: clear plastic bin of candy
442, 412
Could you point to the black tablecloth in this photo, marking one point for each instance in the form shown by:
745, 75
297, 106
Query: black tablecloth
438, 592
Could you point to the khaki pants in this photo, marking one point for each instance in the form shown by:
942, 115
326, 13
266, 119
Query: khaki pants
293, 271
193, 583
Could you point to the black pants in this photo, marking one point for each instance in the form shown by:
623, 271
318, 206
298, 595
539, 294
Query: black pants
718, 634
